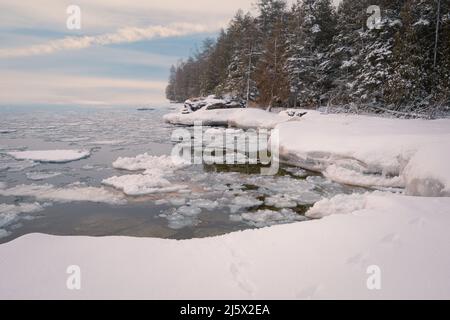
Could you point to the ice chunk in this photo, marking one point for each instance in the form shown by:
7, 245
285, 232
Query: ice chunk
179, 221
37, 176
107, 142
280, 201
266, 218
64, 194
148, 162
340, 204
142, 184
5, 131
189, 211
51, 156
204, 203
357, 178
9, 213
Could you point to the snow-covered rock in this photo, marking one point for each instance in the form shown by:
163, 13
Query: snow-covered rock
210, 103
51, 156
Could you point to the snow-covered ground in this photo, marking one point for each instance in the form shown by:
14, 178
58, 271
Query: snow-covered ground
401, 231
407, 238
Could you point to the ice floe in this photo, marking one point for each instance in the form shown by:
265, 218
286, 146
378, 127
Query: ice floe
149, 162
51, 156
38, 176
142, 184
152, 180
70, 193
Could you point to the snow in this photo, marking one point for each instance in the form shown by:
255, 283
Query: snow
427, 172
422, 22
51, 156
70, 193
406, 237
371, 152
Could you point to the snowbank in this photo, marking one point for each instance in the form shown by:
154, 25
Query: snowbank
372, 152
51, 156
406, 237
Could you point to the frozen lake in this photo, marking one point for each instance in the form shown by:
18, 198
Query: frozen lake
68, 197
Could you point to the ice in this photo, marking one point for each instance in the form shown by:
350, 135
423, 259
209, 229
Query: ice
246, 202
280, 201
267, 218
182, 217
142, 184
107, 142
9, 213
340, 204
74, 139
70, 193
5, 131
38, 176
371, 152
354, 177
11, 165
2, 185
204, 204
177, 201
189, 211
51, 156
154, 178
179, 221
148, 162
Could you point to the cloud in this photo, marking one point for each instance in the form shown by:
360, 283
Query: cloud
61, 89
123, 35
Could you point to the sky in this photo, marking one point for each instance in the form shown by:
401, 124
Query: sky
121, 55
